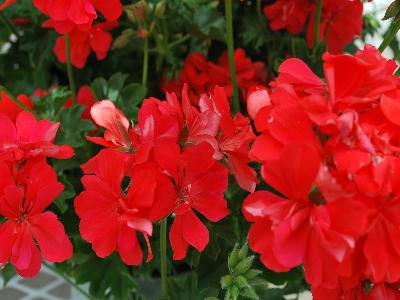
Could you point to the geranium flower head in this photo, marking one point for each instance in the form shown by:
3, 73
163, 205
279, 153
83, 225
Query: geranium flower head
78, 13
22, 203
200, 184
95, 37
110, 216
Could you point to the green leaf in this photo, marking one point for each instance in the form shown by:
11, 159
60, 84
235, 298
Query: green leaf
99, 87
133, 94
115, 85
73, 128
8, 272
67, 194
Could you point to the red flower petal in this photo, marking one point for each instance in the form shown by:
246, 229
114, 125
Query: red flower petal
51, 237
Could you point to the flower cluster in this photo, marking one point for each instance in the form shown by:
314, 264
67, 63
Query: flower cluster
175, 160
341, 20
75, 18
28, 185
203, 75
331, 149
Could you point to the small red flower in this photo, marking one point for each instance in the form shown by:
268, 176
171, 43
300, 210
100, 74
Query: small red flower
8, 107
200, 184
341, 21
22, 203
110, 216
95, 37
29, 138
203, 76
288, 14
67, 15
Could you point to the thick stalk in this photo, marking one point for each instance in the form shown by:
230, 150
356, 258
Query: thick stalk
317, 23
67, 279
145, 61
390, 35
229, 41
163, 255
69, 68
16, 101
6, 22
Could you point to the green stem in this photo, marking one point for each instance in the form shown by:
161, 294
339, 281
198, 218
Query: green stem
317, 23
67, 279
145, 61
163, 254
390, 35
260, 16
179, 41
8, 24
69, 68
229, 40
16, 101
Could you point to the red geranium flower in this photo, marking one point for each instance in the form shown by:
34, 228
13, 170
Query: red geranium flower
67, 15
30, 138
203, 76
288, 14
8, 107
200, 184
22, 203
96, 38
110, 216
341, 20
318, 231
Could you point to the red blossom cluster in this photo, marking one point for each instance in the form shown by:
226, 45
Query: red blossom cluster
203, 75
75, 18
176, 160
331, 149
341, 20
28, 185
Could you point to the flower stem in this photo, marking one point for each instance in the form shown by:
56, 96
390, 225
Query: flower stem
179, 41
317, 23
390, 35
69, 68
260, 16
145, 61
8, 24
163, 254
229, 41
16, 101
67, 279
